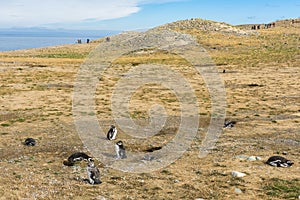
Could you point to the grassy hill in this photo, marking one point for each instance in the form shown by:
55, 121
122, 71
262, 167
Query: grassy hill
262, 91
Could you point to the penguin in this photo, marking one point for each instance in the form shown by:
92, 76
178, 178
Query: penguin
93, 172
30, 142
279, 161
78, 156
120, 150
229, 124
112, 133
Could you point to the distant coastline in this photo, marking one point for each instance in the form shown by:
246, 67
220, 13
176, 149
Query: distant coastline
10, 43
25, 38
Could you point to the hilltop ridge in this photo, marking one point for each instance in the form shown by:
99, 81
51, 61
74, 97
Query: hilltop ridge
210, 26
206, 26
284, 23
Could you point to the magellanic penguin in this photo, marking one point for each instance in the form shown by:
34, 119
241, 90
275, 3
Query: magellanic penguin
229, 124
30, 142
112, 133
279, 161
93, 172
120, 150
78, 156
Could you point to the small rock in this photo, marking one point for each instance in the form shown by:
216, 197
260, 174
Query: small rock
238, 190
252, 158
148, 157
199, 199
241, 157
237, 174
258, 158
176, 181
285, 153
101, 198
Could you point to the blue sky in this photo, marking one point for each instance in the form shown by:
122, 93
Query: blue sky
139, 14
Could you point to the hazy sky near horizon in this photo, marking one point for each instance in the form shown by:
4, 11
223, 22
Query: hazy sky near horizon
139, 14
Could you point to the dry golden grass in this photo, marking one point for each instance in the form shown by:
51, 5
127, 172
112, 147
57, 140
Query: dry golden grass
36, 101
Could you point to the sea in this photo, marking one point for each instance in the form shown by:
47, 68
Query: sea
9, 43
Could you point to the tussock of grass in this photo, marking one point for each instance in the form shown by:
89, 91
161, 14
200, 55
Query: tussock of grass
287, 189
64, 55
158, 57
